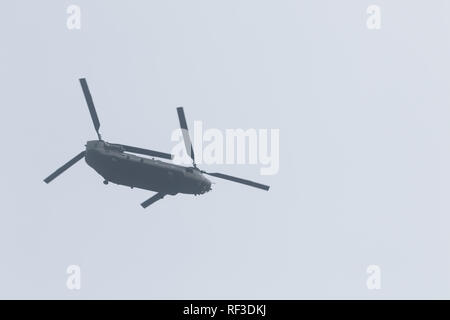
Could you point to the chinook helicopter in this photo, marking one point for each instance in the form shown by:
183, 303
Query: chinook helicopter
120, 164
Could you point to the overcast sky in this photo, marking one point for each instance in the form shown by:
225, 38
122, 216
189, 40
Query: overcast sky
364, 120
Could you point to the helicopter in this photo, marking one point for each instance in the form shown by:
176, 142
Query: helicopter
123, 164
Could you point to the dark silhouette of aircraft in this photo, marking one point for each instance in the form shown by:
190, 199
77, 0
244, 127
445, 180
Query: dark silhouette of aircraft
115, 164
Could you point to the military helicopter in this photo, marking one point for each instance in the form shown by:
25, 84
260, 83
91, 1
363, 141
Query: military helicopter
120, 164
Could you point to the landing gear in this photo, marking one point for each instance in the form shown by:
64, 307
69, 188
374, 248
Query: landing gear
105, 182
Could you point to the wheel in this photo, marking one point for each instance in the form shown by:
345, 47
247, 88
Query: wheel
105, 182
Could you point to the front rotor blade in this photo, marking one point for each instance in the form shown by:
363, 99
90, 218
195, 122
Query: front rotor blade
238, 180
147, 152
90, 103
65, 167
185, 131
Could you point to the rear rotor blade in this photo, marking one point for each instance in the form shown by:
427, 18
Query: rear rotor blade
65, 167
238, 180
147, 152
185, 131
90, 103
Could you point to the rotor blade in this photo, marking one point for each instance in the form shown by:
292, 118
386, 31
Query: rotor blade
185, 131
239, 180
65, 167
90, 103
153, 199
147, 152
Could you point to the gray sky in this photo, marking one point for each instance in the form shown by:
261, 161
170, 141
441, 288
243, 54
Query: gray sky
364, 148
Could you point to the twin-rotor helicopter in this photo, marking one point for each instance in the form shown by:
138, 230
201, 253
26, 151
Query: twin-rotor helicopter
120, 164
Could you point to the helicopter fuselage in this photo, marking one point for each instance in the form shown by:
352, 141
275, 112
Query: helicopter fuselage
116, 166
